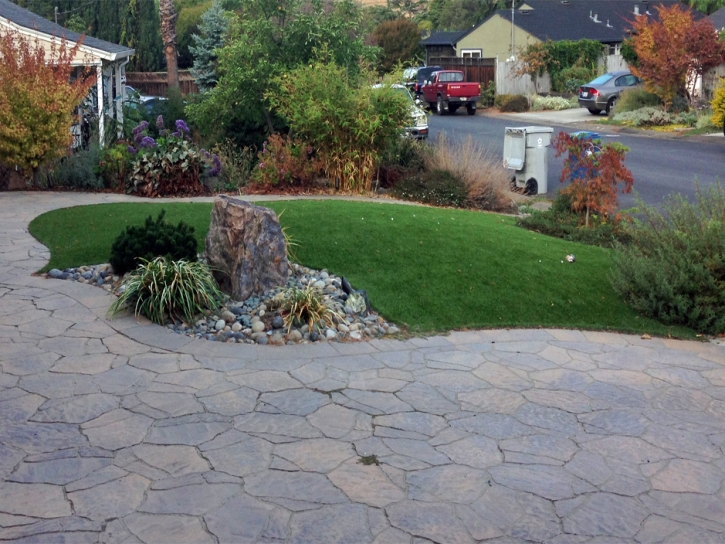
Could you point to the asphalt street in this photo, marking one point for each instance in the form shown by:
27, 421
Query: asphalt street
660, 166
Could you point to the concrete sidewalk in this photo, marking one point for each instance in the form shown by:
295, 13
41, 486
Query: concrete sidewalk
121, 431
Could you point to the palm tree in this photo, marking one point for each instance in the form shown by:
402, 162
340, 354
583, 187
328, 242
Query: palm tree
168, 36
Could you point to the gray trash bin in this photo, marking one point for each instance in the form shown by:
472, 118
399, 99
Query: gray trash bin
525, 151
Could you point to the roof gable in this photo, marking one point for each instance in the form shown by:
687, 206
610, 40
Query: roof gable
29, 20
558, 20
444, 38
718, 19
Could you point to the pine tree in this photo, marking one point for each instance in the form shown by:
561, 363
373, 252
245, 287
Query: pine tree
213, 30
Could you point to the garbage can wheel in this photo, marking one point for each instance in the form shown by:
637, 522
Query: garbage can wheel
532, 187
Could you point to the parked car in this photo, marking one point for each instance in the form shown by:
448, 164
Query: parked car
602, 93
446, 91
418, 127
414, 78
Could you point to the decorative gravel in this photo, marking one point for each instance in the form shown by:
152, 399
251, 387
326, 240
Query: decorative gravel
257, 320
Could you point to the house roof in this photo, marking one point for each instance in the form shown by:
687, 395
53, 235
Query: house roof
574, 19
27, 19
444, 38
718, 19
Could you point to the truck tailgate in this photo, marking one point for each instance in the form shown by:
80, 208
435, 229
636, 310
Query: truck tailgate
463, 89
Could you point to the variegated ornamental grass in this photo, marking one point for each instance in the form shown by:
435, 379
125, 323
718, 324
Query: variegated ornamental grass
178, 289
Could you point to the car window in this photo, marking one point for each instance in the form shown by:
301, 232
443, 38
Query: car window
621, 82
456, 76
630, 80
601, 80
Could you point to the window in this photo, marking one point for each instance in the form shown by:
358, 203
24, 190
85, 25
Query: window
471, 53
601, 80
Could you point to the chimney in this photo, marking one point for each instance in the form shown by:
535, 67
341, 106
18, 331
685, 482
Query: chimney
636, 9
608, 25
590, 14
596, 18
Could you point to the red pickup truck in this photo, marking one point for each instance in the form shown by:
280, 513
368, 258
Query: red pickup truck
446, 91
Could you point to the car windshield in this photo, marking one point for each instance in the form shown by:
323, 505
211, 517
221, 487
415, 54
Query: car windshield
403, 90
601, 80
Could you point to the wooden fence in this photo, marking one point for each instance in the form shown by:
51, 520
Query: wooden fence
475, 69
155, 83
508, 82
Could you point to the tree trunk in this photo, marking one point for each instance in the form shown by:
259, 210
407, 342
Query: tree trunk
168, 36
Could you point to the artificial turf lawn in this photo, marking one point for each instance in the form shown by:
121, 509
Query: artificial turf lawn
431, 269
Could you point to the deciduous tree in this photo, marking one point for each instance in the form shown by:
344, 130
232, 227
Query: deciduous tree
672, 48
594, 172
400, 42
37, 100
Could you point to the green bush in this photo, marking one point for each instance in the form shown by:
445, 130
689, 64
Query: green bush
674, 268
347, 122
76, 171
237, 166
488, 95
570, 79
515, 103
404, 157
635, 99
113, 165
436, 187
561, 222
159, 288
153, 239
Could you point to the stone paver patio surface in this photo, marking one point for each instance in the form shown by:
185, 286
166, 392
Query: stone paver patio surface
121, 431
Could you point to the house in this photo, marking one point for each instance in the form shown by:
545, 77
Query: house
505, 31
718, 19
441, 44
108, 59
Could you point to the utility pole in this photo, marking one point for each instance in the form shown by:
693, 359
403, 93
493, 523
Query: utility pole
56, 14
513, 51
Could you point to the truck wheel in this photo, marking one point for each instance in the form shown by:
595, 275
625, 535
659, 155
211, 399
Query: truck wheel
471, 109
532, 187
594, 111
441, 106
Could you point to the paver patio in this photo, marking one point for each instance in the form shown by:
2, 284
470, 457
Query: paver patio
120, 431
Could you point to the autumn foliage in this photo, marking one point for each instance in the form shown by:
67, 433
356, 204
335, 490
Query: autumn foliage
37, 99
673, 50
595, 171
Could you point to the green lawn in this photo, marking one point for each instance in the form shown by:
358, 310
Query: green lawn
429, 268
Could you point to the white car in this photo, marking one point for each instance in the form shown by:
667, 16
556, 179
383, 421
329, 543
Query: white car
418, 129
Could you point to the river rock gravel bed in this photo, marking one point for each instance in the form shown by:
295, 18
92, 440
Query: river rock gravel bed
258, 320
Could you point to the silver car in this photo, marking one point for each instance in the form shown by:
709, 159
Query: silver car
602, 93
418, 127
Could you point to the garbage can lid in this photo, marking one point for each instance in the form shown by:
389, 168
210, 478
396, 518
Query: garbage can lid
528, 130
586, 135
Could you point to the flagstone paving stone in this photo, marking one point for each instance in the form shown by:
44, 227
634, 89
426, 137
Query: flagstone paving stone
121, 431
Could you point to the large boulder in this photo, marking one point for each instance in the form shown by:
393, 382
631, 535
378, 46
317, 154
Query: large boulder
245, 248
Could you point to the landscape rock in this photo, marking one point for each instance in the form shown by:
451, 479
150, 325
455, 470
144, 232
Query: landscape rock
245, 247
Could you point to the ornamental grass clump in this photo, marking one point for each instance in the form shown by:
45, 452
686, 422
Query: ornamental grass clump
674, 267
160, 288
306, 306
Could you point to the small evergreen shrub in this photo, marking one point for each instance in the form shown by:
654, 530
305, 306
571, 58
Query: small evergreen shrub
570, 79
514, 103
76, 171
635, 99
159, 288
157, 238
674, 268
718, 105
488, 95
436, 187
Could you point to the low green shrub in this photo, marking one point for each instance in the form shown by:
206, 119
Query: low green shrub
155, 238
562, 222
635, 99
436, 187
160, 288
76, 171
306, 306
645, 117
515, 103
555, 103
674, 268
114, 164
404, 157
704, 120
237, 167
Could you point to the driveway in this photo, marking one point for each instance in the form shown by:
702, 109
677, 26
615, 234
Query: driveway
564, 117
122, 431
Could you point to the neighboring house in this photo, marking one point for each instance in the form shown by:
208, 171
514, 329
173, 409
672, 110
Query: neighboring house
109, 59
718, 19
441, 44
503, 33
